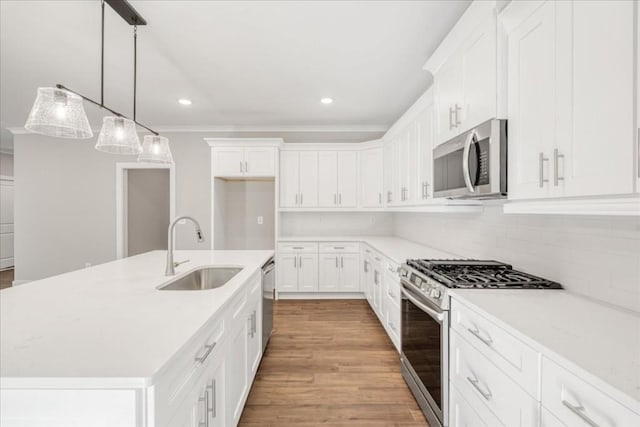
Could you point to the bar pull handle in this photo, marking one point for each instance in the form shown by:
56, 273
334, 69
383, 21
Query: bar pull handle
208, 349
579, 411
335, 199
556, 157
341, 262
476, 384
295, 262
336, 262
301, 198
389, 196
246, 167
366, 267
380, 198
205, 401
476, 333
213, 410
541, 178
340, 198
300, 262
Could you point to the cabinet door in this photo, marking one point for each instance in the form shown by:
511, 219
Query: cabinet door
396, 171
236, 372
479, 80
347, 179
409, 177
228, 161
327, 179
308, 179
389, 167
424, 137
350, 272
287, 273
597, 150
371, 178
260, 161
308, 273
289, 172
532, 101
329, 274
447, 84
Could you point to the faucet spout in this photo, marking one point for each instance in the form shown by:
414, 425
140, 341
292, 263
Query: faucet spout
170, 270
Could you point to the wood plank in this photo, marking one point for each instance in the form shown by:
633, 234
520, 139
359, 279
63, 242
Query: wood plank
329, 363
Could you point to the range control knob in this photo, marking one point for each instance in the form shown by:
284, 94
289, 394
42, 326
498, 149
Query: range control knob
435, 293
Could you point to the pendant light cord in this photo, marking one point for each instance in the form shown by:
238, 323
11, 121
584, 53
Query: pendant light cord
102, 60
135, 68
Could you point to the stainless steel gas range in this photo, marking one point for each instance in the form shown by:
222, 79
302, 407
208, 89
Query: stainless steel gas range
425, 321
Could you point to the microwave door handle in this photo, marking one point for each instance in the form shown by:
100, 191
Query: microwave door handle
471, 138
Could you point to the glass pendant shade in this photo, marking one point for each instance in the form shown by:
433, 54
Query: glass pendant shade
59, 113
118, 136
155, 149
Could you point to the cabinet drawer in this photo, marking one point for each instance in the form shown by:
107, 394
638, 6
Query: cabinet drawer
469, 412
298, 247
392, 288
392, 321
184, 371
339, 247
515, 358
474, 375
573, 401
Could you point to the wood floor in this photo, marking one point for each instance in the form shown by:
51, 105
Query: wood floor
329, 363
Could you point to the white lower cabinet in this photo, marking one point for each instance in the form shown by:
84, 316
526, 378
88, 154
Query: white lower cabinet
297, 267
573, 401
339, 272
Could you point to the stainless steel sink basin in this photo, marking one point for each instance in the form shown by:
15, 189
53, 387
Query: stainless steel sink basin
202, 279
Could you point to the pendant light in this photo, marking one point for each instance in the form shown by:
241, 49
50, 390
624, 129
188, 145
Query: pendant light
118, 136
155, 149
58, 113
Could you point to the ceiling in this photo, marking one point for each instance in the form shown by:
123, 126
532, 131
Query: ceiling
245, 65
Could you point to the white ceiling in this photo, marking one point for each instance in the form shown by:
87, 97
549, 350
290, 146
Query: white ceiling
258, 64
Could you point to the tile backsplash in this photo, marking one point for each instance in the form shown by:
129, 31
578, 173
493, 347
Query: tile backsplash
598, 257
336, 224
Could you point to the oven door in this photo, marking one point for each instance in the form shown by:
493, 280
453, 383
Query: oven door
425, 354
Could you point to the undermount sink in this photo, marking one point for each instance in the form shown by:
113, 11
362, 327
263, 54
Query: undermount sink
202, 279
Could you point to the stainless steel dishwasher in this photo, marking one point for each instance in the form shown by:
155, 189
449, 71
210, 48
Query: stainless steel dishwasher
268, 295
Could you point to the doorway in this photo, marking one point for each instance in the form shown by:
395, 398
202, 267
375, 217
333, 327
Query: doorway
145, 206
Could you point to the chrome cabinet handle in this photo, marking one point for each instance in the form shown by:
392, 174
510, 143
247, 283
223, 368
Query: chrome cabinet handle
336, 262
388, 196
213, 410
295, 262
579, 411
380, 198
451, 125
240, 167
341, 262
298, 247
300, 263
476, 333
338, 247
556, 157
340, 198
301, 202
255, 321
205, 400
246, 167
475, 383
541, 178
392, 326
335, 199
366, 267
375, 277
208, 349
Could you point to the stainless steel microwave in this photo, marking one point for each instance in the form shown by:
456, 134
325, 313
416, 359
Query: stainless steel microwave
474, 164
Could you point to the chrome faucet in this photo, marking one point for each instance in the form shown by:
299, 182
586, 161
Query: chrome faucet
171, 266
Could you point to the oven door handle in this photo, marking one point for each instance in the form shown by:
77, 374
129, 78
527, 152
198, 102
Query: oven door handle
421, 306
471, 138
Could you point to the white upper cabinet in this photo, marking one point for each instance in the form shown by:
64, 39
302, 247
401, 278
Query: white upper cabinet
424, 155
571, 98
371, 178
338, 179
532, 107
465, 70
595, 149
298, 179
244, 161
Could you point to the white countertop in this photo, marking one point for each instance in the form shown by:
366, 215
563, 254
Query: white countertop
109, 324
602, 340
396, 249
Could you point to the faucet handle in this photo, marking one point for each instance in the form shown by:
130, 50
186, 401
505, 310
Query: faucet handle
177, 263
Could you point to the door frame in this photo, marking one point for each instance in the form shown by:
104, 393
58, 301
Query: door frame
121, 195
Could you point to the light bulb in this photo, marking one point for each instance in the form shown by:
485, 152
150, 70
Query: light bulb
61, 111
119, 129
156, 147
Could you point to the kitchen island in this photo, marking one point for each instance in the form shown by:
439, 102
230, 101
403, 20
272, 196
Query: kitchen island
105, 346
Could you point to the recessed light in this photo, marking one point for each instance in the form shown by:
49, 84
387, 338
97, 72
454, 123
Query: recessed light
327, 101
184, 101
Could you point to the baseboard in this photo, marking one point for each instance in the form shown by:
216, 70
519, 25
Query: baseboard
320, 295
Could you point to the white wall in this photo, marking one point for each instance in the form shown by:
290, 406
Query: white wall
598, 257
336, 224
65, 201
